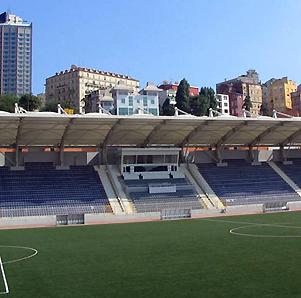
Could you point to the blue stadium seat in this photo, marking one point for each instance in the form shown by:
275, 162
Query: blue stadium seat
293, 170
241, 183
185, 196
42, 190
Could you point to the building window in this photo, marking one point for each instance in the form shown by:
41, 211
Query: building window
152, 101
123, 111
153, 111
131, 102
145, 101
122, 100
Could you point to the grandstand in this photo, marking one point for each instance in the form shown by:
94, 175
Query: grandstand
240, 183
103, 167
40, 190
293, 170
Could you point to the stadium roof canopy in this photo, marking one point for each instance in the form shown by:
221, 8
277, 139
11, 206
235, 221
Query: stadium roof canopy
52, 129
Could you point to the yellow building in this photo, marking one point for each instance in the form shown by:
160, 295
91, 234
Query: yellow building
280, 95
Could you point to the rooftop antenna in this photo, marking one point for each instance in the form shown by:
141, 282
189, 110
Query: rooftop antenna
19, 110
60, 110
178, 111
102, 110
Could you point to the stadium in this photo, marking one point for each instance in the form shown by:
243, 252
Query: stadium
169, 206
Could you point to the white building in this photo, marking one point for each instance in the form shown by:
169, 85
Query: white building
164, 94
223, 104
100, 97
127, 102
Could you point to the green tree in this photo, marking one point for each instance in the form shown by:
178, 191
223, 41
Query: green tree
30, 102
7, 102
204, 105
264, 111
195, 106
50, 106
207, 100
212, 98
247, 103
182, 96
167, 108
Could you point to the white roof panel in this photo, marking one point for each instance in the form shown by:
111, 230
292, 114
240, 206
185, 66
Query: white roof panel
51, 129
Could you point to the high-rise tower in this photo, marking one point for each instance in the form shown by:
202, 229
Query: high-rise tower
15, 55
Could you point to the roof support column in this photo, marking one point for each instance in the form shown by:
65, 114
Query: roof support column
283, 154
62, 155
288, 142
150, 136
185, 143
17, 153
219, 156
219, 147
17, 156
258, 139
62, 144
103, 157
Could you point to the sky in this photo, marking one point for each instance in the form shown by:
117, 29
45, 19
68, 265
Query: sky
204, 41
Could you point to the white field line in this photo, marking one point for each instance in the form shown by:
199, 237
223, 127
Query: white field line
33, 250
4, 279
281, 225
247, 224
234, 232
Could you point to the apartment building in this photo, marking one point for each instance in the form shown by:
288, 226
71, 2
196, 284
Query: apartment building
223, 104
77, 82
15, 55
239, 88
280, 95
128, 102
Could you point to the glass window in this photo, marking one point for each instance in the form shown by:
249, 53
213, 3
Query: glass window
145, 101
123, 111
153, 111
122, 100
131, 102
152, 101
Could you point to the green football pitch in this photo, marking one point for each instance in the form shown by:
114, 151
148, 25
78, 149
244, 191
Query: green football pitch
241, 256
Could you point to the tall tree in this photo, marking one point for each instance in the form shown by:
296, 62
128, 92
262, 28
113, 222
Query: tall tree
167, 108
195, 106
247, 103
30, 102
7, 102
204, 105
212, 98
182, 96
264, 111
50, 106
207, 100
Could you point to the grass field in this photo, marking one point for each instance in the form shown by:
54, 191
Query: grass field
188, 258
